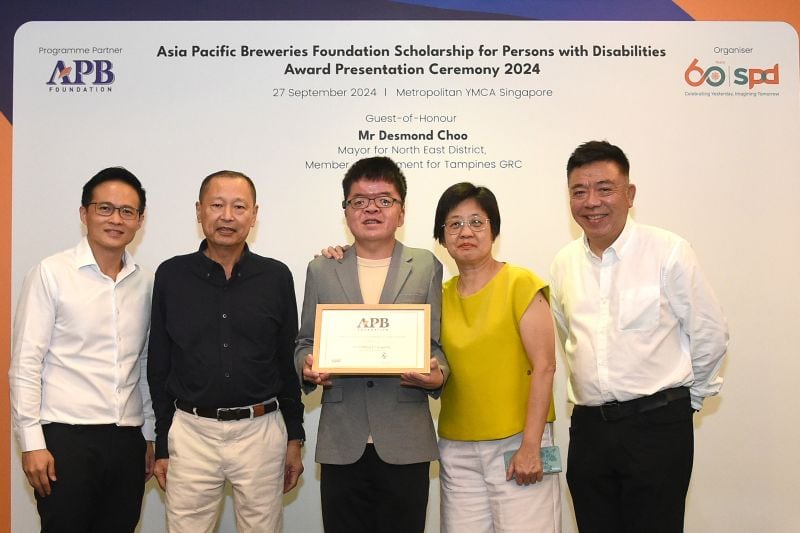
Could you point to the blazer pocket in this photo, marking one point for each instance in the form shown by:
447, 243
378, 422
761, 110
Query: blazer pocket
411, 394
412, 297
332, 394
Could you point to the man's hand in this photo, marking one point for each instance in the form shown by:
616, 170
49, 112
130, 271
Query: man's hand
160, 471
317, 378
294, 465
334, 252
149, 461
431, 381
40, 469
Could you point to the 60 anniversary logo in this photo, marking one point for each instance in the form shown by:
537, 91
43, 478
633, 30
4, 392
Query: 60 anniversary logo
717, 75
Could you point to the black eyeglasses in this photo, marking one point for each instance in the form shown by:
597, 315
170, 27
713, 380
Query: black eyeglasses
362, 202
105, 209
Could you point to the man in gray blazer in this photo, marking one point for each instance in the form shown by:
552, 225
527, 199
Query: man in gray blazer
376, 436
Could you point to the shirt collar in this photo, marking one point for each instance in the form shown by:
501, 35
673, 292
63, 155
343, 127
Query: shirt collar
84, 257
619, 246
209, 263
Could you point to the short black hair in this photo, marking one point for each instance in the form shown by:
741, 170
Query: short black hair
114, 174
226, 174
594, 151
376, 169
454, 195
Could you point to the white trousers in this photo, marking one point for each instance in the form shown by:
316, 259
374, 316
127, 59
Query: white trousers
204, 453
476, 498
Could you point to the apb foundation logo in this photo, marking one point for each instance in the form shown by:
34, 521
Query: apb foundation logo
82, 76
373, 323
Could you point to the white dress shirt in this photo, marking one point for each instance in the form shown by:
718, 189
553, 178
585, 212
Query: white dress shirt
639, 319
79, 346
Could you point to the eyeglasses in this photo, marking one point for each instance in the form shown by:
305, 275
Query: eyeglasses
105, 209
453, 227
362, 202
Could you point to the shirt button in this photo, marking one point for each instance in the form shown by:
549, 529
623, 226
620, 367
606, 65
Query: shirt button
224, 315
370, 384
227, 374
224, 344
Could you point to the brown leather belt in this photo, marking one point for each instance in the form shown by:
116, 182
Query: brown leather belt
228, 414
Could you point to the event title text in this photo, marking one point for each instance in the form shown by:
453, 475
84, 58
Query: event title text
517, 59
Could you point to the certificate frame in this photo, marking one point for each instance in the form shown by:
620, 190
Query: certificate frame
372, 339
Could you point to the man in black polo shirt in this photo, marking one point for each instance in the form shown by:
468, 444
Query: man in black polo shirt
221, 366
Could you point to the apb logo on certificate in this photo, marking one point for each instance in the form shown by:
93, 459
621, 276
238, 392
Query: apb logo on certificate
372, 339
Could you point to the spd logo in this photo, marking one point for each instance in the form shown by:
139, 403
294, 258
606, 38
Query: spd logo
716, 75
81, 72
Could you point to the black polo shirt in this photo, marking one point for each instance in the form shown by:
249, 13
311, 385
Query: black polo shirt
218, 342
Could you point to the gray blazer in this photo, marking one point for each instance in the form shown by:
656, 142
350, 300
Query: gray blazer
397, 417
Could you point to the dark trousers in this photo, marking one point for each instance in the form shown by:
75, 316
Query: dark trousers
631, 475
371, 496
99, 479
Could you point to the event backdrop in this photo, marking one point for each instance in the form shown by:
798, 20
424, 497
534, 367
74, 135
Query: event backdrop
707, 112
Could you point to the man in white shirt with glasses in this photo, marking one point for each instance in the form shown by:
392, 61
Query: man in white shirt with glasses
79, 397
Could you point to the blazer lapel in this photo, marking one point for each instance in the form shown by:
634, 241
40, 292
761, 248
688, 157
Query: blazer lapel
399, 271
347, 273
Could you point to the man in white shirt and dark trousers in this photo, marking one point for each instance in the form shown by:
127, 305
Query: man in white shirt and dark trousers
79, 397
644, 339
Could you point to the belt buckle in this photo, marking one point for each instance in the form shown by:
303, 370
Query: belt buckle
227, 414
610, 411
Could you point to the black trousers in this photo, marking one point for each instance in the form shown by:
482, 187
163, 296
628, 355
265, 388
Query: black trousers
371, 496
99, 479
631, 475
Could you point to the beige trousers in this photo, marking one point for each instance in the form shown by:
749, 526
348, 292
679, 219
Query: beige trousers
205, 453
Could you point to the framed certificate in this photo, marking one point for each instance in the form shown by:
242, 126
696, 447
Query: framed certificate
372, 339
